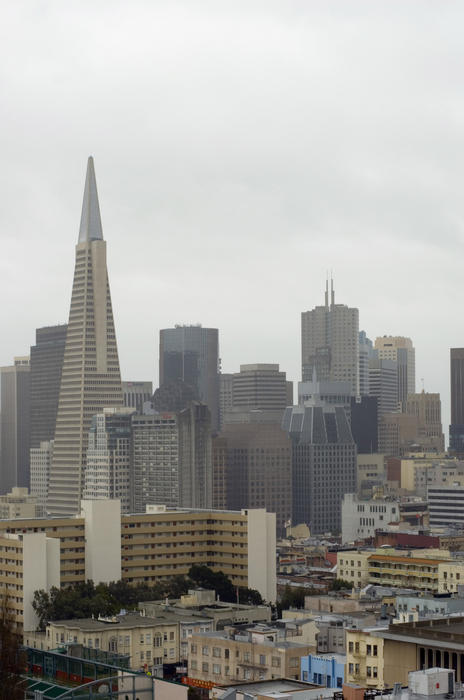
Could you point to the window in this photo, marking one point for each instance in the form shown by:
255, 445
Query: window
194, 665
368, 671
275, 661
216, 669
368, 649
262, 659
159, 643
205, 651
374, 671
193, 648
350, 668
246, 656
226, 653
294, 661
350, 647
171, 636
216, 652
374, 652
205, 667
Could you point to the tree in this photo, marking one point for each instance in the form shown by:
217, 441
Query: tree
339, 584
12, 658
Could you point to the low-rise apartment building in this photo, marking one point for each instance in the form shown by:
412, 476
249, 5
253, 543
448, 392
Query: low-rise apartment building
353, 567
254, 653
148, 642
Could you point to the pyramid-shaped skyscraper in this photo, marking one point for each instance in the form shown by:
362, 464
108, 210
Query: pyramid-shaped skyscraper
91, 379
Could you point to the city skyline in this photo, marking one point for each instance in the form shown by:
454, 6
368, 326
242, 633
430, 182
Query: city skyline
363, 164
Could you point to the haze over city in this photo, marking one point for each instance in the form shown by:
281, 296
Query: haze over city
241, 150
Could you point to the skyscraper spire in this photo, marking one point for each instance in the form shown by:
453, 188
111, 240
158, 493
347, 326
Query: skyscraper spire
332, 293
91, 227
90, 379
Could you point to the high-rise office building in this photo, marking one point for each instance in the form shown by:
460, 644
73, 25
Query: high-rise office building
383, 385
427, 408
260, 387
225, 395
335, 393
399, 350
365, 354
135, 394
191, 354
155, 461
195, 457
364, 423
108, 464
15, 429
330, 344
252, 465
46, 365
456, 430
41, 460
90, 379
324, 464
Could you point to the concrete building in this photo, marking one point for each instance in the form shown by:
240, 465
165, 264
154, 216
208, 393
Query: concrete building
155, 461
195, 457
19, 503
135, 394
399, 434
28, 562
191, 354
45, 379
330, 343
254, 653
446, 506
360, 519
261, 387
366, 348
41, 459
324, 669
108, 465
333, 393
90, 379
383, 385
104, 546
225, 395
371, 473
399, 350
353, 567
324, 464
427, 408
172, 458
456, 430
379, 658
15, 425
252, 462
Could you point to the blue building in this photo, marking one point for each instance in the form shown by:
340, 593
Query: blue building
323, 669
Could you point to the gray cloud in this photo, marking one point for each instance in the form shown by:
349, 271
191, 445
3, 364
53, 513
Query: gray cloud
241, 149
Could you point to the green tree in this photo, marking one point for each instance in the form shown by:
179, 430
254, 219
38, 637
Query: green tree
12, 658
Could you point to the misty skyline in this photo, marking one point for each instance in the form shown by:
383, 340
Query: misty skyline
241, 151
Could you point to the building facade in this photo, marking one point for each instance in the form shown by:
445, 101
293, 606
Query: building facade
323, 464
135, 394
90, 379
15, 425
400, 350
383, 385
260, 386
427, 408
361, 518
41, 460
108, 464
330, 343
191, 354
195, 466
456, 433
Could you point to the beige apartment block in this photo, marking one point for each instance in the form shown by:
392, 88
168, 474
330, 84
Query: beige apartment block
255, 654
27, 562
19, 503
371, 470
364, 659
353, 567
450, 576
152, 547
147, 641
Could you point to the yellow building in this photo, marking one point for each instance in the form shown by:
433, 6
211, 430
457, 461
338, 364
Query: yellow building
450, 576
353, 567
373, 661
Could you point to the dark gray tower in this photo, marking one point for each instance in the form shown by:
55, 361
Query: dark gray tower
46, 365
15, 431
191, 354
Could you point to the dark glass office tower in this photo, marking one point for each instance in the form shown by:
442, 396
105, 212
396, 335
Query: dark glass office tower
15, 424
457, 400
46, 365
191, 354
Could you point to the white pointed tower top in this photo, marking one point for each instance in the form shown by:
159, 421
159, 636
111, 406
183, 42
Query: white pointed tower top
90, 228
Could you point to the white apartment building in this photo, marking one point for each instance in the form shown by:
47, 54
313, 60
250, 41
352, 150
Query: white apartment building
360, 519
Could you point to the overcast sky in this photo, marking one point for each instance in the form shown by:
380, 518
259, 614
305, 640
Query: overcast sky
241, 150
